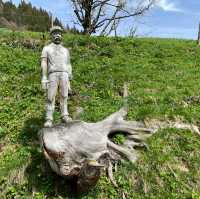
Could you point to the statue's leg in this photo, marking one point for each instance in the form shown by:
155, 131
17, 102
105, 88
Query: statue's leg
64, 86
69, 88
52, 90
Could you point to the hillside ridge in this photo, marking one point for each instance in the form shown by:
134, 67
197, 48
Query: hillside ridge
163, 77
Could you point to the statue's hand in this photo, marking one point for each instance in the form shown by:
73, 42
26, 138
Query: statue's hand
44, 84
70, 76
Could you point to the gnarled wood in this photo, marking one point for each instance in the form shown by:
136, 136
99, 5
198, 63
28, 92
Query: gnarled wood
80, 149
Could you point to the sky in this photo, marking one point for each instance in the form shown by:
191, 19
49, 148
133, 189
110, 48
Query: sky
167, 19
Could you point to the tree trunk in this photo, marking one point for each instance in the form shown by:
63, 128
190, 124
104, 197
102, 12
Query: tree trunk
80, 149
198, 39
87, 18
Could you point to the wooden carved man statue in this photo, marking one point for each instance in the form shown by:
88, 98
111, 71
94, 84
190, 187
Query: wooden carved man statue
56, 73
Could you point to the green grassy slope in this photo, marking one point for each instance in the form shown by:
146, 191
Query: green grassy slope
163, 76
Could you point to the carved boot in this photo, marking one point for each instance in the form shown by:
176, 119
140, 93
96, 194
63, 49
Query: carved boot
48, 123
66, 119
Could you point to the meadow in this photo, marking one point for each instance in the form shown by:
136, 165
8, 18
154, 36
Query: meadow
163, 77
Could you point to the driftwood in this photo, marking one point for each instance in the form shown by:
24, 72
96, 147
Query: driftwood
80, 149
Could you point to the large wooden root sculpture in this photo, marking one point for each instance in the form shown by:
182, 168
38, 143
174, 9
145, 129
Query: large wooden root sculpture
80, 149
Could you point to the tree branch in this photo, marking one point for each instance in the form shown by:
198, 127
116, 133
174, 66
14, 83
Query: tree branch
92, 15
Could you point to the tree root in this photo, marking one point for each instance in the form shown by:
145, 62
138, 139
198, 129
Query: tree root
125, 152
69, 148
110, 175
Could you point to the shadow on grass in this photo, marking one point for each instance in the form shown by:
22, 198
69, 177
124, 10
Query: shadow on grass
29, 133
41, 179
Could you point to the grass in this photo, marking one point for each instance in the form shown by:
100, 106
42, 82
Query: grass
163, 77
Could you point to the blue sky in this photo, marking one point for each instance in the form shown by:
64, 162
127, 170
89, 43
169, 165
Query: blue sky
168, 18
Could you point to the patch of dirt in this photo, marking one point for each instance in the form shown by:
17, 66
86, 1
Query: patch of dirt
151, 90
159, 181
181, 166
1, 147
193, 99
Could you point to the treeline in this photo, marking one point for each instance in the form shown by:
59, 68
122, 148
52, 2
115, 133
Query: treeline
27, 17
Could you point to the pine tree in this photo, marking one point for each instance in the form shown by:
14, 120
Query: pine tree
28, 17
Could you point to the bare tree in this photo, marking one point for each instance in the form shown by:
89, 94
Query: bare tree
132, 32
105, 15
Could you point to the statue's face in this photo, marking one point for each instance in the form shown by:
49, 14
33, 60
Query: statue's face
56, 37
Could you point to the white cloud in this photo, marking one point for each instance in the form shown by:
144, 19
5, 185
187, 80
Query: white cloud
168, 6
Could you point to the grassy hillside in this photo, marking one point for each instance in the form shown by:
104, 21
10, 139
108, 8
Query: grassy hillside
164, 83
